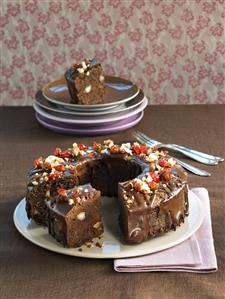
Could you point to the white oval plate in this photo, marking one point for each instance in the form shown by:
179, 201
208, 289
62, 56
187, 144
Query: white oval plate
112, 247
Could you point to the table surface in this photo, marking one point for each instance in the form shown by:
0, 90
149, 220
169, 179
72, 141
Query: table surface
28, 271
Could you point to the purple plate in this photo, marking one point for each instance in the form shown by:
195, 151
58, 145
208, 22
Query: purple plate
91, 131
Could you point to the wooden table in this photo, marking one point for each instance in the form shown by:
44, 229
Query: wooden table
28, 271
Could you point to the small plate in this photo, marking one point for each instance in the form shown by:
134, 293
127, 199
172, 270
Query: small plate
87, 120
41, 101
57, 92
91, 130
112, 245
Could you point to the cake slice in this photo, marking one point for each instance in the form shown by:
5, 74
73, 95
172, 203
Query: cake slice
86, 83
44, 179
153, 204
75, 215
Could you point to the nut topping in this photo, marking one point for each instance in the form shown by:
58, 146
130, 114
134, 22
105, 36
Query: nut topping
63, 162
87, 89
97, 225
81, 216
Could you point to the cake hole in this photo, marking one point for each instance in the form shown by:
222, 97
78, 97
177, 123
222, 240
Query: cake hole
106, 173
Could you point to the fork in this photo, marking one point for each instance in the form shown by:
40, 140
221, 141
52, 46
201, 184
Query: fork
193, 154
189, 167
192, 168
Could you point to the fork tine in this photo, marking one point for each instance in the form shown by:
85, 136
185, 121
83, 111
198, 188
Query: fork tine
143, 138
153, 141
138, 137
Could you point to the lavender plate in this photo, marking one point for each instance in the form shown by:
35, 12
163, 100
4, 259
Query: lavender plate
110, 128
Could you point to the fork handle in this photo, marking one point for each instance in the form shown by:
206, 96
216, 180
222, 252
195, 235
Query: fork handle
189, 153
193, 169
201, 154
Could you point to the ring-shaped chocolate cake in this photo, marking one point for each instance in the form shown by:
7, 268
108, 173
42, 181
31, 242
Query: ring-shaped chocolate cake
64, 191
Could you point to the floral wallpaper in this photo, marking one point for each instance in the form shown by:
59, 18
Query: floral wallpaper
173, 49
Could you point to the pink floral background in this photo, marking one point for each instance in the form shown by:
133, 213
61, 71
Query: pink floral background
173, 49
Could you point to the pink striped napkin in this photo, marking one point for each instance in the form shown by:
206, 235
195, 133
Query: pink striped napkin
196, 254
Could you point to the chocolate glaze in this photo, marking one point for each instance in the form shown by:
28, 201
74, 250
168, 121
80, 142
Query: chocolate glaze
36, 196
142, 215
64, 222
101, 170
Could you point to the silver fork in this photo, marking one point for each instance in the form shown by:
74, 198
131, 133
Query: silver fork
193, 154
189, 167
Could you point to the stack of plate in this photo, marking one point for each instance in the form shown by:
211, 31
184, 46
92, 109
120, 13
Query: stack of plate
123, 107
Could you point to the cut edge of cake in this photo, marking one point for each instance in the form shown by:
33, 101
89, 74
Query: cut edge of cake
75, 215
86, 82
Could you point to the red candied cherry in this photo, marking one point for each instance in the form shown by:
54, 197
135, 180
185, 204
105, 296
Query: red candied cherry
163, 163
82, 147
140, 149
143, 148
97, 146
38, 162
57, 151
61, 192
137, 150
65, 154
53, 176
153, 185
155, 177
60, 167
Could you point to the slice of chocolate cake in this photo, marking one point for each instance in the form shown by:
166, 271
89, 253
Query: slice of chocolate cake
43, 180
153, 204
86, 83
75, 215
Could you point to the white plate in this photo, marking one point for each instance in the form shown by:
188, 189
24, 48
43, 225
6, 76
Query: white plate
111, 240
41, 101
87, 120
57, 92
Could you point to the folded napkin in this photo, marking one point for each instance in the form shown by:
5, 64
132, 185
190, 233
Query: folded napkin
196, 254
